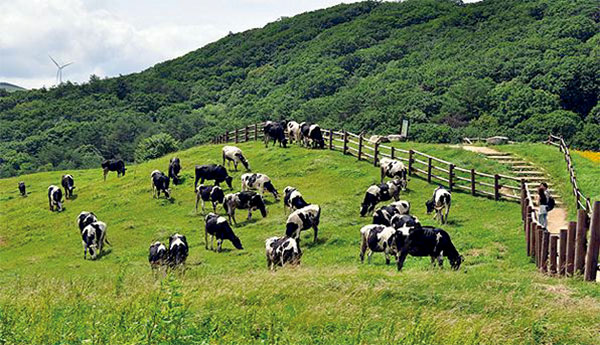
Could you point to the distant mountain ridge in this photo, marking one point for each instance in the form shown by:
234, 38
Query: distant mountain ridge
10, 87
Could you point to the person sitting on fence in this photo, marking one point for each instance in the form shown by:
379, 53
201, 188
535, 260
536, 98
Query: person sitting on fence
546, 202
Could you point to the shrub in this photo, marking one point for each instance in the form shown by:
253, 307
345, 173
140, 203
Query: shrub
433, 133
155, 146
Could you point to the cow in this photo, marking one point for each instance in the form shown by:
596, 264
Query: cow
157, 255
218, 173
276, 132
402, 221
68, 184
440, 202
113, 165
293, 129
214, 194
428, 241
93, 238
259, 182
218, 227
394, 169
282, 250
292, 199
22, 188
85, 218
243, 200
377, 193
160, 183
178, 250
377, 238
303, 219
55, 198
312, 136
174, 169
235, 155
383, 215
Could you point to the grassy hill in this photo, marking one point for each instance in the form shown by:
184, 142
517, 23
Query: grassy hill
10, 87
49, 294
519, 68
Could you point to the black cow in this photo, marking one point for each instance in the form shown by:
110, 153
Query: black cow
243, 200
55, 198
22, 188
157, 255
282, 250
160, 183
68, 184
178, 250
303, 219
384, 214
174, 169
312, 136
93, 238
440, 202
292, 199
218, 227
377, 193
218, 173
85, 218
429, 241
276, 132
214, 194
113, 165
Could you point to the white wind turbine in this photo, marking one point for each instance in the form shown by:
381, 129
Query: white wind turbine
59, 71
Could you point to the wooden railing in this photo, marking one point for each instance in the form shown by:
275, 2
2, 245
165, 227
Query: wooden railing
581, 201
430, 168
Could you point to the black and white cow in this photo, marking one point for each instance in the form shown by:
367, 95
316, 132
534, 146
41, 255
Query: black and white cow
276, 132
160, 183
157, 255
113, 165
22, 188
428, 241
174, 169
93, 238
404, 222
282, 250
440, 203
394, 169
377, 238
293, 129
218, 173
68, 184
55, 198
214, 194
259, 182
383, 215
84, 219
243, 200
303, 219
312, 136
178, 250
218, 227
235, 155
292, 199
377, 193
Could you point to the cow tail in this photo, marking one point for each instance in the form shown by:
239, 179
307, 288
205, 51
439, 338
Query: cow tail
106, 241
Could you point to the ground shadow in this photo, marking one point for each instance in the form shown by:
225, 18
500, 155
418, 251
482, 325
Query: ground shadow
73, 197
310, 243
104, 253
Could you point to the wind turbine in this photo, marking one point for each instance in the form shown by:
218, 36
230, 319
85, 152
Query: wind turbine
59, 71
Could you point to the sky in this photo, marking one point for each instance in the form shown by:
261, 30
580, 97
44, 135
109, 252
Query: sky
112, 37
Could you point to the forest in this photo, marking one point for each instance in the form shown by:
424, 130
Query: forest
518, 68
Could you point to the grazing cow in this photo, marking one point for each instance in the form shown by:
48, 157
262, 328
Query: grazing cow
218, 227
293, 129
174, 169
93, 238
55, 198
276, 132
68, 184
160, 183
379, 238
292, 199
404, 222
312, 136
113, 165
178, 250
259, 182
303, 219
85, 218
377, 193
218, 173
214, 194
157, 255
384, 214
235, 155
429, 241
22, 188
394, 169
440, 202
282, 250
243, 200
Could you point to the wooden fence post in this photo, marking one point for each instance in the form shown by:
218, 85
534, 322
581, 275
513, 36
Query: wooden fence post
450, 176
591, 260
571, 248
562, 252
375, 153
331, 139
393, 156
533, 234
227, 136
473, 191
429, 170
345, 142
553, 253
544, 254
246, 133
360, 145
410, 162
580, 241
527, 230
256, 132
496, 187
236, 136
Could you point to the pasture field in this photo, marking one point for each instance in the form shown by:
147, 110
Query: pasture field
50, 295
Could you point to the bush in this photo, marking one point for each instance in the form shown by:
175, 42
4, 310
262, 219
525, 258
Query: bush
561, 122
588, 138
155, 146
432, 133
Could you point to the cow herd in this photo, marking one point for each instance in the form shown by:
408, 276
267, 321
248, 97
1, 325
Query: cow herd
394, 231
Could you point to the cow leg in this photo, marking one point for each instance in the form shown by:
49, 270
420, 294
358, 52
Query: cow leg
369, 256
316, 232
249, 213
363, 249
84, 252
440, 260
387, 257
203, 206
219, 244
433, 260
212, 241
105, 171
197, 201
446, 216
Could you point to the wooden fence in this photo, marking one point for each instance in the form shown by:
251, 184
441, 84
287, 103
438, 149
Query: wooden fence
582, 203
430, 168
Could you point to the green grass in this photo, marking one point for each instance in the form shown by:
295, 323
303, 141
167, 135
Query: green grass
50, 295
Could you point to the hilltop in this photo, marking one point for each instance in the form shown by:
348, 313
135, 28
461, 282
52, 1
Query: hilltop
10, 87
512, 67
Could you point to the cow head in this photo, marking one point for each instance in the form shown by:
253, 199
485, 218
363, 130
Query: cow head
430, 204
456, 261
257, 202
364, 209
228, 180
